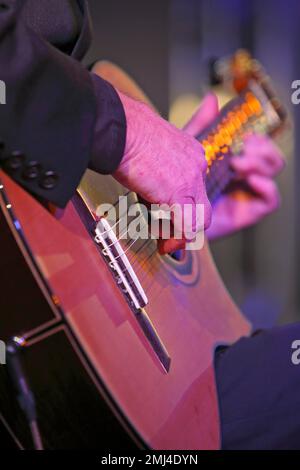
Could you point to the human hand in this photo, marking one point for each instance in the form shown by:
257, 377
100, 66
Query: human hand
253, 194
163, 165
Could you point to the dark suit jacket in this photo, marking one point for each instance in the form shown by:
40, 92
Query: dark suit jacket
58, 117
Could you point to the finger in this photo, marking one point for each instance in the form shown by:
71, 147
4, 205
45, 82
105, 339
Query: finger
190, 216
265, 148
260, 155
246, 165
169, 246
188, 219
166, 243
267, 190
204, 116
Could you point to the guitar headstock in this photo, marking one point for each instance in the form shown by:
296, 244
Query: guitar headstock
254, 108
236, 71
240, 72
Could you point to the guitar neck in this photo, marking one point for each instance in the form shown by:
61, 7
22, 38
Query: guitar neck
255, 110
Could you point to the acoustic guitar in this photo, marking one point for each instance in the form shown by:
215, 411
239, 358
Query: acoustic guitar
116, 341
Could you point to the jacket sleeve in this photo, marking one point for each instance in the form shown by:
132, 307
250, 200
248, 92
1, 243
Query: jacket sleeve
57, 115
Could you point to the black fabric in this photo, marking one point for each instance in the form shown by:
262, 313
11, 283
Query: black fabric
47, 125
66, 24
57, 21
110, 133
85, 37
258, 389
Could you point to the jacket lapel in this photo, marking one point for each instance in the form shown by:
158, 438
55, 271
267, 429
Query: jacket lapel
84, 40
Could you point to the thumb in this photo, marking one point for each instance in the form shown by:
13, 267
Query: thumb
204, 116
190, 216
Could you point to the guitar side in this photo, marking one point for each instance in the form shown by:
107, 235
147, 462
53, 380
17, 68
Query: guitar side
104, 381
188, 306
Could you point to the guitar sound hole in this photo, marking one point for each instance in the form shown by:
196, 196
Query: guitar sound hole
178, 255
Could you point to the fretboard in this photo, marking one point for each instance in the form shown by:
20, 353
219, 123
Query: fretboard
254, 111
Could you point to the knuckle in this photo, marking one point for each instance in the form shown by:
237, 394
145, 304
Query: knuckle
281, 163
275, 200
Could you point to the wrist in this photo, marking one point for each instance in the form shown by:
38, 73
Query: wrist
110, 129
139, 120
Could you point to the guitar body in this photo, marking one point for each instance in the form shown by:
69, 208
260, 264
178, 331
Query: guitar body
104, 366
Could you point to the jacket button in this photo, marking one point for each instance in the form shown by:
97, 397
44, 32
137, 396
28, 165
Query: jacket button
15, 160
49, 180
31, 171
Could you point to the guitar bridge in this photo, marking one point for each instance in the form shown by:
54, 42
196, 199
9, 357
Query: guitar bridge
131, 287
124, 275
118, 262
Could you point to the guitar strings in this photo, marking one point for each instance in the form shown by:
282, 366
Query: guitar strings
127, 248
128, 243
124, 233
134, 261
214, 188
140, 216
